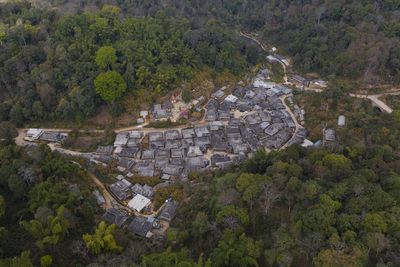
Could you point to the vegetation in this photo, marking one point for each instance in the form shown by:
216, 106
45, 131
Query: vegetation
64, 67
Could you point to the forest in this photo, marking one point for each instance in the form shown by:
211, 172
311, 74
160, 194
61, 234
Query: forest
66, 67
353, 39
333, 205
318, 206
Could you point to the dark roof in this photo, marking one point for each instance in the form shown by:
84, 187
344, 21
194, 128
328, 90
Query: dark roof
239, 91
126, 163
167, 105
216, 158
140, 226
162, 153
116, 216
171, 144
129, 152
107, 150
169, 210
161, 162
178, 161
172, 135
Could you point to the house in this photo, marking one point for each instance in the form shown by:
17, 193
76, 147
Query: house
129, 152
272, 59
298, 80
187, 142
100, 199
194, 164
216, 158
231, 99
212, 105
169, 210
177, 153
167, 105
235, 122
145, 168
188, 133
211, 115
161, 162
239, 91
194, 151
116, 216
273, 129
161, 115
139, 202
341, 121
133, 142
171, 144
221, 146
232, 131
144, 190
163, 153
203, 141
239, 147
127, 163
249, 94
148, 154
156, 136
34, 134
157, 144
172, 135
171, 169
49, 136
224, 115
307, 143
218, 95
104, 150
105, 159
121, 189
121, 139
144, 113
201, 130
164, 177
136, 134
139, 120
141, 226
329, 135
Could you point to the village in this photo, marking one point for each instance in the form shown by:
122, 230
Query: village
237, 121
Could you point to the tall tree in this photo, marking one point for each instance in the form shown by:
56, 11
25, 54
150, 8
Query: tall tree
105, 56
102, 240
110, 85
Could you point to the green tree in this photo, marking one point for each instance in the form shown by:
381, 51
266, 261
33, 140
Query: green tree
374, 222
200, 224
50, 232
102, 241
46, 261
244, 181
2, 206
22, 261
236, 250
105, 56
333, 258
110, 85
171, 259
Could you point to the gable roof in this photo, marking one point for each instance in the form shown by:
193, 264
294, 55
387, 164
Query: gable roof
169, 210
140, 226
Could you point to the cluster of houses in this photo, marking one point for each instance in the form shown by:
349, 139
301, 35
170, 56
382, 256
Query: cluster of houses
141, 225
235, 123
34, 134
